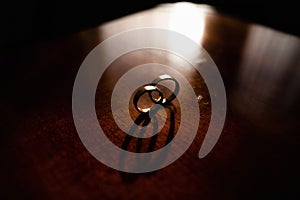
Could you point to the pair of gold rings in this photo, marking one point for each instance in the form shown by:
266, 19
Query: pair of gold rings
153, 87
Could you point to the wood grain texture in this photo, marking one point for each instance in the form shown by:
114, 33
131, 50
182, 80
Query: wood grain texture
256, 156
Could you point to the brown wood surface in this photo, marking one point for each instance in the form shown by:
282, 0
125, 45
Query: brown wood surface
256, 156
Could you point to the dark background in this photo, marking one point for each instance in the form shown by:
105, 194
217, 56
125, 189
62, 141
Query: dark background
26, 22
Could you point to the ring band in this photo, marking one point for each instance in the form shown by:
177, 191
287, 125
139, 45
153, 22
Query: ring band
149, 89
167, 100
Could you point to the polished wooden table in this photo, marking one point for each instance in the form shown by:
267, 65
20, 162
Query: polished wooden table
257, 155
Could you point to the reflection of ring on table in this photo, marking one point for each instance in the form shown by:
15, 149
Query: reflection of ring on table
153, 87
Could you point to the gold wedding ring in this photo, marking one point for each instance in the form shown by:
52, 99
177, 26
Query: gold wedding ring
152, 87
161, 78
